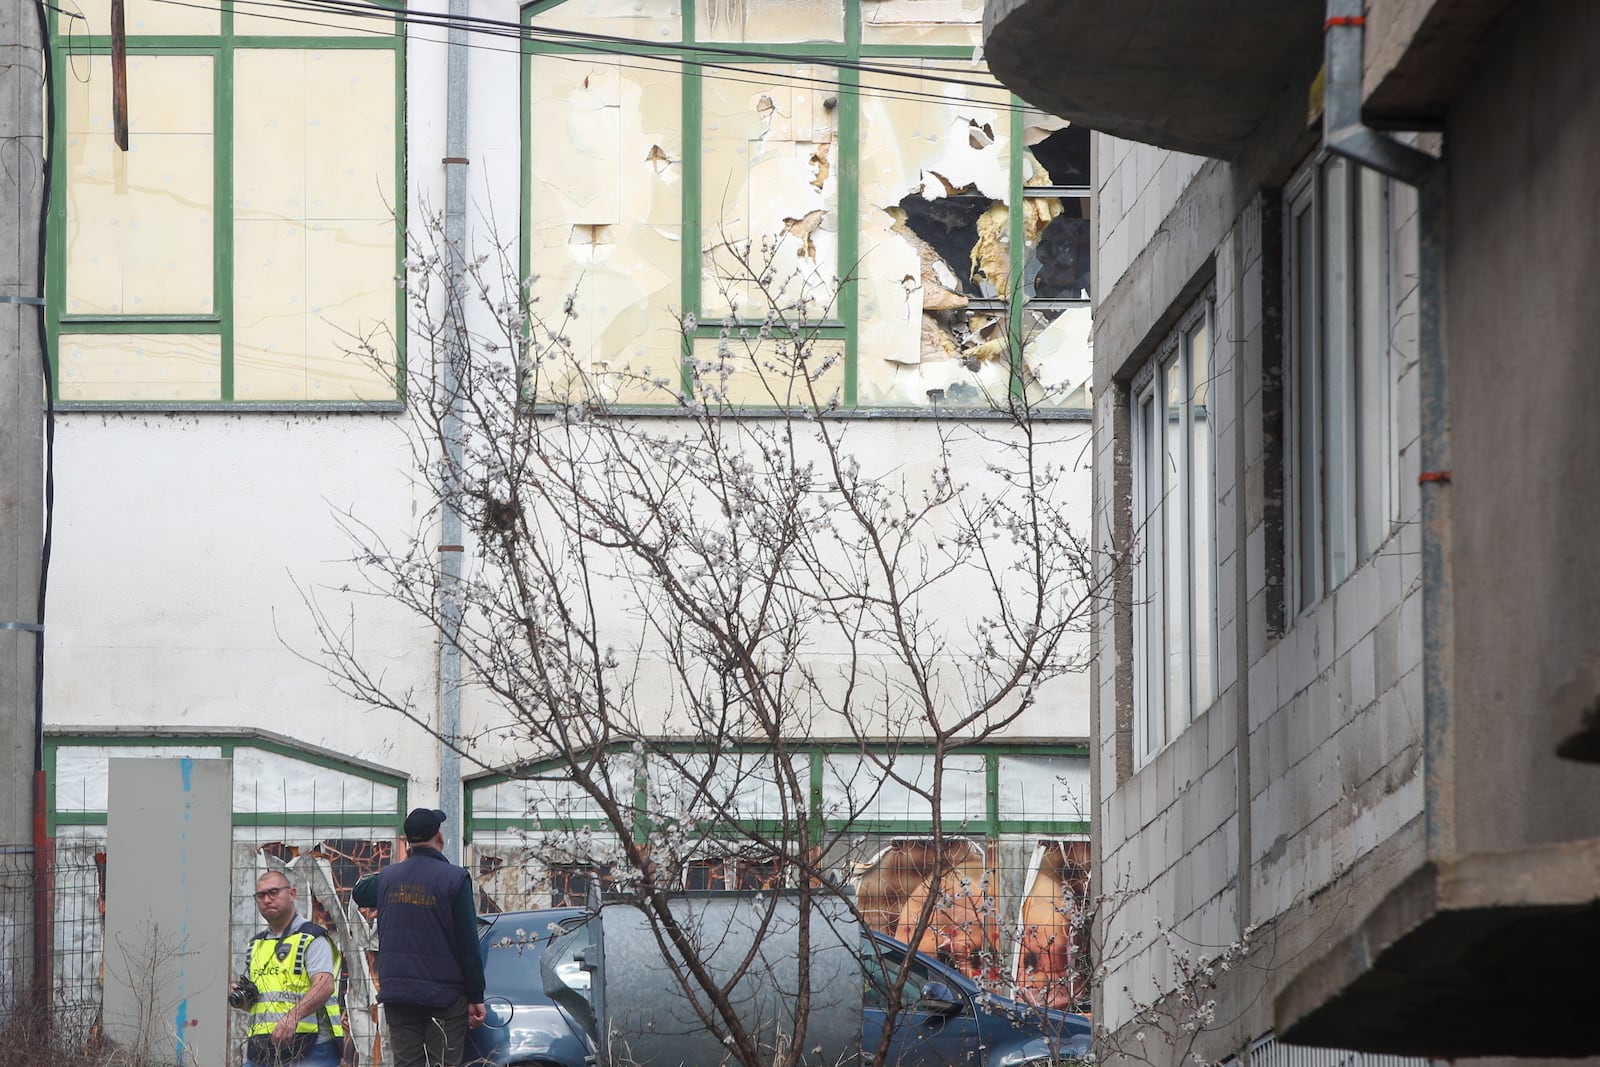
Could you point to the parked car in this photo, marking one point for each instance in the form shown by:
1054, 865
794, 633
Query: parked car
947, 1020
524, 1027
953, 1021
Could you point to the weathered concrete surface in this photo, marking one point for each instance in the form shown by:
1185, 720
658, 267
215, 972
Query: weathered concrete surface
1190, 75
1490, 928
1456, 952
21, 393
1418, 52
1523, 382
1198, 77
1322, 728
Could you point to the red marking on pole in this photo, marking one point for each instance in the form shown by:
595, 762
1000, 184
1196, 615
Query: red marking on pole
43, 899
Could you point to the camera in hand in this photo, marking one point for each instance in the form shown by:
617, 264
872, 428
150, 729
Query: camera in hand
244, 992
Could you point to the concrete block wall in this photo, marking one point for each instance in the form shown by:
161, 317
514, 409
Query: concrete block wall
1135, 186
1309, 761
1170, 832
1335, 702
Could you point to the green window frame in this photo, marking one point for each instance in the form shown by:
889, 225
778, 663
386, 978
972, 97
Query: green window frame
76, 41
851, 57
225, 745
994, 823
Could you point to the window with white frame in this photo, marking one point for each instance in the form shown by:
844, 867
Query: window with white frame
1338, 246
1174, 572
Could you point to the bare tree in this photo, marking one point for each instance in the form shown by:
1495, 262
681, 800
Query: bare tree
669, 609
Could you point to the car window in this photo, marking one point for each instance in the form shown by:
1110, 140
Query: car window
511, 963
880, 966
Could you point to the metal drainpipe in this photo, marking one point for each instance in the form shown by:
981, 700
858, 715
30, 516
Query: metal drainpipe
1344, 134
1438, 613
450, 525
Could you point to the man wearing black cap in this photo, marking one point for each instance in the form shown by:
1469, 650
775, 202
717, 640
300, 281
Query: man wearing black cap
430, 977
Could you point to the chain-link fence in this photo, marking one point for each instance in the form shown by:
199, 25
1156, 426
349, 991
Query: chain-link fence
1001, 913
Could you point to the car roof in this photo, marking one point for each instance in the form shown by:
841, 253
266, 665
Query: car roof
534, 921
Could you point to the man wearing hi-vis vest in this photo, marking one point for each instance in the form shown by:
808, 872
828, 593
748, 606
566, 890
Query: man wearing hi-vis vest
293, 966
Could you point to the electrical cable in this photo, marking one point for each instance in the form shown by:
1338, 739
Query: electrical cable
693, 56
625, 45
49, 393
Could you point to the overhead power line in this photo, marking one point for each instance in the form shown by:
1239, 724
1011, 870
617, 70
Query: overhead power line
719, 62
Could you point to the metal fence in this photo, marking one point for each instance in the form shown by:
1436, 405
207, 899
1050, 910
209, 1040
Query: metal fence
324, 869
1270, 1052
67, 994
996, 917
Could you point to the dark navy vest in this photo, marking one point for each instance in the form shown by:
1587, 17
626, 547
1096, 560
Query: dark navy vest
416, 931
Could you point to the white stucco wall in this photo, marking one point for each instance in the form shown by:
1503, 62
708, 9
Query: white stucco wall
185, 543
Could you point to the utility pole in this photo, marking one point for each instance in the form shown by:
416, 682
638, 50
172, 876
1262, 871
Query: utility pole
22, 395
450, 526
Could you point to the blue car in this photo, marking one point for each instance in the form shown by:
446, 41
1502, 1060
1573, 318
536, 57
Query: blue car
524, 1027
946, 1020
952, 1022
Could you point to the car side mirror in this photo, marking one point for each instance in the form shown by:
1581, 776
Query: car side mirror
939, 999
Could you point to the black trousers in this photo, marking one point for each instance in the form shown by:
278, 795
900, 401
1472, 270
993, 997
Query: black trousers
427, 1037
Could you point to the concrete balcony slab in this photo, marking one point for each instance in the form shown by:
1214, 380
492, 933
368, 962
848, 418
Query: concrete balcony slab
1483, 955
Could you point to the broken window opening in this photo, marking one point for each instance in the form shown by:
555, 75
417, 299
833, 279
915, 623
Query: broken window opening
1056, 234
1056, 253
936, 264
732, 872
949, 226
572, 883
1063, 156
962, 241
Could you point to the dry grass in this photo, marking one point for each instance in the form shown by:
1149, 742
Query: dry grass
27, 1039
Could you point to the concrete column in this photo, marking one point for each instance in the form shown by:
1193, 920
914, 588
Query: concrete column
21, 445
21, 402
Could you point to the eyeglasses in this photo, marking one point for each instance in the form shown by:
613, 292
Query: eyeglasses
268, 894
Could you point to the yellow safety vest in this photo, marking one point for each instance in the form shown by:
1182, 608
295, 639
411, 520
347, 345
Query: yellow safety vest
278, 968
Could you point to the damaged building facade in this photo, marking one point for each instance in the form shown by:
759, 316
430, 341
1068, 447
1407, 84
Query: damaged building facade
1344, 709
899, 189
230, 336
